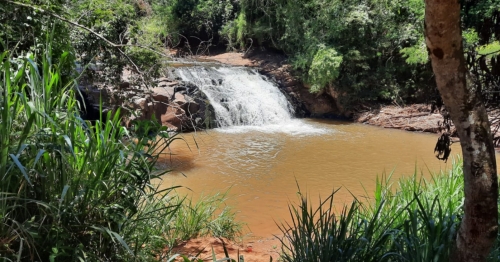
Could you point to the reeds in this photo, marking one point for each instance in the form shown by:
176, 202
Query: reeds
209, 216
70, 190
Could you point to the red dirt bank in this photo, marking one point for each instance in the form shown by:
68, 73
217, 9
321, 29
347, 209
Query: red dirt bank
251, 250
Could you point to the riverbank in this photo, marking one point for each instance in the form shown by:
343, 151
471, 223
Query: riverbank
252, 250
416, 117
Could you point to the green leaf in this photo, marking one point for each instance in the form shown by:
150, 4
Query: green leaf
325, 68
489, 49
21, 168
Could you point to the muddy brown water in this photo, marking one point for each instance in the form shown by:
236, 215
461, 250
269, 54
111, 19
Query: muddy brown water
261, 170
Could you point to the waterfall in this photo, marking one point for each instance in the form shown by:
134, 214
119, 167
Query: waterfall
243, 99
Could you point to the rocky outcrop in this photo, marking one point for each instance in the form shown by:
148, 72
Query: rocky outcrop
416, 117
180, 106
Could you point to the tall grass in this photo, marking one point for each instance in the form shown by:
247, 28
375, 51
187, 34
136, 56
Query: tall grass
209, 216
70, 191
412, 220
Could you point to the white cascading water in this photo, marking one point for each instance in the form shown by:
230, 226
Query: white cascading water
245, 100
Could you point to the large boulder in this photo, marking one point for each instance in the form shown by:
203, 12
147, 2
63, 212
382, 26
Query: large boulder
180, 106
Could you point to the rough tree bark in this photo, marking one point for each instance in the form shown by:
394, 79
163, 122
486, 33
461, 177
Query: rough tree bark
443, 36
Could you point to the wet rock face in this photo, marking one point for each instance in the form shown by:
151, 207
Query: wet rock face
178, 105
304, 102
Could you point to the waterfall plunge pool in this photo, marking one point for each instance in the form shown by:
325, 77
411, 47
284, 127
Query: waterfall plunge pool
261, 170
261, 153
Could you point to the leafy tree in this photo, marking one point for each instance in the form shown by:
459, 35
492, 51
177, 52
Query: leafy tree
196, 21
117, 21
25, 29
374, 38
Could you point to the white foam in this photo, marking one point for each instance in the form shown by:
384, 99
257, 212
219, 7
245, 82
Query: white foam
293, 127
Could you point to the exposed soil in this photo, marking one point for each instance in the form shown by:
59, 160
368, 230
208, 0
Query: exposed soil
235, 59
251, 250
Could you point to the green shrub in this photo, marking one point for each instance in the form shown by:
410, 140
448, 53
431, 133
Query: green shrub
21, 28
235, 32
197, 20
122, 22
324, 69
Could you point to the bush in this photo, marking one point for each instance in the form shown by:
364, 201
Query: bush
235, 31
197, 21
324, 69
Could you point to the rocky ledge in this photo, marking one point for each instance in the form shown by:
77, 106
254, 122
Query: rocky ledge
179, 105
417, 117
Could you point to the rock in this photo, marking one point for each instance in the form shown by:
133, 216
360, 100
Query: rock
179, 105
179, 98
190, 108
166, 89
140, 103
171, 118
182, 107
160, 98
416, 117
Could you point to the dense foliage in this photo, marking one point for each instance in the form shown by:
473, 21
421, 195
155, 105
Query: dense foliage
380, 42
75, 190
481, 22
22, 29
355, 50
70, 191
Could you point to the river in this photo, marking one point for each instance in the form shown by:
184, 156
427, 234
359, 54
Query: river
260, 154
261, 170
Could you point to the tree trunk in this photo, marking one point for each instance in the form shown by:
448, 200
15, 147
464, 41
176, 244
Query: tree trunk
479, 226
